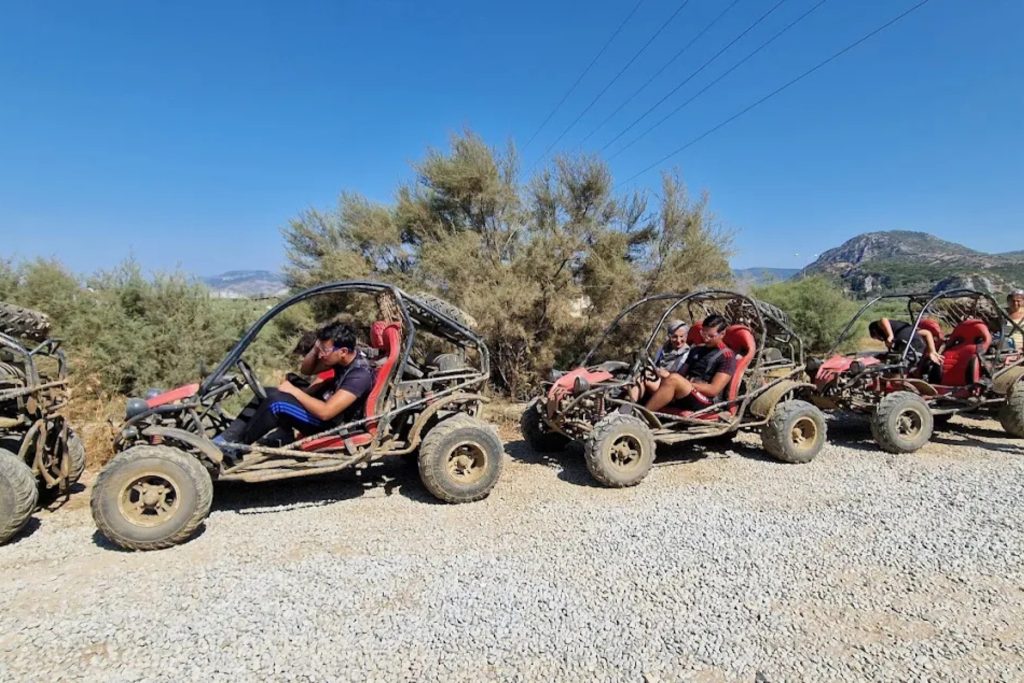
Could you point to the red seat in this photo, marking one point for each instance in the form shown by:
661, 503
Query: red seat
960, 359
386, 337
693, 337
738, 340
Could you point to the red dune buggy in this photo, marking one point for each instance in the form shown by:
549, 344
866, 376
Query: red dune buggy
159, 487
904, 397
590, 403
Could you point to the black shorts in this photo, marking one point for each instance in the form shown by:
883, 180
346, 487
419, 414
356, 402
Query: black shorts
693, 401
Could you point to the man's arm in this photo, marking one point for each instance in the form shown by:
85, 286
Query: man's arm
887, 328
715, 386
322, 410
311, 363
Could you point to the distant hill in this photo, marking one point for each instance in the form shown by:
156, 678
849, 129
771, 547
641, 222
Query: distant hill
899, 260
246, 284
752, 277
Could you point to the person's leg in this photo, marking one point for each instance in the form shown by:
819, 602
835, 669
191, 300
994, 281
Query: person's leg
281, 410
672, 388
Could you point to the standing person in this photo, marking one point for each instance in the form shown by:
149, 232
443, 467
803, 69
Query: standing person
1015, 306
340, 400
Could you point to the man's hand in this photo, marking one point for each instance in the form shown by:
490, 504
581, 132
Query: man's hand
889, 341
662, 373
936, 357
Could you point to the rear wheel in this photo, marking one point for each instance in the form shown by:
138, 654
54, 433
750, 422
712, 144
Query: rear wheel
151, 497
902, 422
620, 450
18, 494
537, 434
461, 459
1011, 415
795, 432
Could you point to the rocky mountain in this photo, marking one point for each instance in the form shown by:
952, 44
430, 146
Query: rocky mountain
899, 260
246, 284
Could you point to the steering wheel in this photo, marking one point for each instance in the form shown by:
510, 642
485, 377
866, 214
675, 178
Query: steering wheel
250, 378
648, 368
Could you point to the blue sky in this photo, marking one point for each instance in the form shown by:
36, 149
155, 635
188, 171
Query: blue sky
187, 134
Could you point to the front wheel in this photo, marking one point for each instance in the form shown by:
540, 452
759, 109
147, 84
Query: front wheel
795, 432
461, 459
620, 450
18, 494
151, 497
902, 422
537, 434
1011, 414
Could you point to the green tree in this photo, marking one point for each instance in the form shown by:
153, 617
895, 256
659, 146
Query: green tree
541, 266
818, 309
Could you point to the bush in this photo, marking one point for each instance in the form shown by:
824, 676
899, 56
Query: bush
818, 310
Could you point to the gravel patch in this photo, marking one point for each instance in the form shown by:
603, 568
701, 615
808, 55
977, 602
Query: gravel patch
720, 566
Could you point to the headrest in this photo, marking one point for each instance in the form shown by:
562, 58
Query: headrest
933, 327
380, 338
693, 337
739, 338
970, 332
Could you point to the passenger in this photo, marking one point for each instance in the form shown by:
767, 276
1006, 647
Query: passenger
340, 400
895, 334
1015, 306
670, 358
702, 380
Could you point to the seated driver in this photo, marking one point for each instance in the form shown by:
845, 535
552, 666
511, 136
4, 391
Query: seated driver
335, 401
704, 377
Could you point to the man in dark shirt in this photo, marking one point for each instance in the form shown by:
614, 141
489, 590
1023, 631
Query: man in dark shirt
896, 335
337, 400
703, 379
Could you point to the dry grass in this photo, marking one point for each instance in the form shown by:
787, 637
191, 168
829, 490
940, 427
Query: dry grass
92, 414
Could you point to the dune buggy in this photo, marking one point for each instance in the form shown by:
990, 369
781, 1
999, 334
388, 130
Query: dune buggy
158, 488
904, 399
590, 404
40, 456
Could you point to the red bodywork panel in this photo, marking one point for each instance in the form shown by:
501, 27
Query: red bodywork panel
837, 365
187, 391
565, 382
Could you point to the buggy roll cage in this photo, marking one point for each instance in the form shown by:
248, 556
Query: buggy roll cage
456, 332
925, 300
50, 348
693, 300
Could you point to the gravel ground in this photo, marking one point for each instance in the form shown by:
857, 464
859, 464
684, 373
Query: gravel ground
719, 567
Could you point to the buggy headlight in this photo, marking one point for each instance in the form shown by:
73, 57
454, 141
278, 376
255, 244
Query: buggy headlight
135, 407
812, 367
856, 367
580, 385
554, 375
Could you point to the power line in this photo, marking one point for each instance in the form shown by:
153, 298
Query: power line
584, 73
703, 66
778, 90
612, 82
661, 70
721, 76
